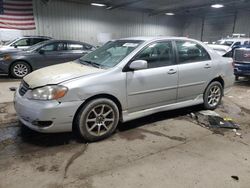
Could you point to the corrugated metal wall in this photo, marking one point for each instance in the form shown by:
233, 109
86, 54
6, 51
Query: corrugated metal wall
192, 28
216, 27
68, 20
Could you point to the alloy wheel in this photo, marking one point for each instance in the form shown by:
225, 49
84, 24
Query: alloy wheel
100, 120
214, 96
20, 70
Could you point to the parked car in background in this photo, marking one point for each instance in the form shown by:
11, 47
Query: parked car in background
232, 42
241, 58
220, 49
123, 80
22, 43
50, 52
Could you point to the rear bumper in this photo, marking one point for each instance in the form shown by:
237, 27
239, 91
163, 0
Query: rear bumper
242, 69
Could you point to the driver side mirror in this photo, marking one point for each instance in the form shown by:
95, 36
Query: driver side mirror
15, 46
138, 65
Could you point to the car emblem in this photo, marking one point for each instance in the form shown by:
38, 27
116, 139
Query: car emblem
246, 55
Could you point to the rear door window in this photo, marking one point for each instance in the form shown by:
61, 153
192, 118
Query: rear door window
36, 40
54, 47
189, 52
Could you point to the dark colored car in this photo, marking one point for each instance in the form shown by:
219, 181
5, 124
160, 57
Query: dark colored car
51, 52
241, 62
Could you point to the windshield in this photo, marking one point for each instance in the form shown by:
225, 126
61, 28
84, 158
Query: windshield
36, 46
111, 53
225, 42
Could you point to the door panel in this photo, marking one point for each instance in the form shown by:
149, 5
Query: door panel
193, 79
156, 85
195, 70
52, 54
151, 87
74, 51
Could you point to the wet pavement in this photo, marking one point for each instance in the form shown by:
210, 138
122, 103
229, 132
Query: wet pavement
167, 149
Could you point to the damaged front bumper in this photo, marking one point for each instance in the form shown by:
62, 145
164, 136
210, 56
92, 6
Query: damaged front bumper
46, 116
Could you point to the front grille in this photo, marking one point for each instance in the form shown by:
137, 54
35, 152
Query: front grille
24, 87
242, 55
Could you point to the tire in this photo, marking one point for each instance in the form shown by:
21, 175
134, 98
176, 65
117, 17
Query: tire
97, 119
20, 69
213, 95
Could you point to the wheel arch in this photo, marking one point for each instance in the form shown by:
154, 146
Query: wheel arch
21, 60
98, 96
217, 79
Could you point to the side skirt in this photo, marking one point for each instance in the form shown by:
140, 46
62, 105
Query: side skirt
135, 115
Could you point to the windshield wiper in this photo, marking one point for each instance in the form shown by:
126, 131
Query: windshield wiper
94, 64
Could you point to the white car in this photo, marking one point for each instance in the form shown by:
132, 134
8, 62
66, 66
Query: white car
22, 43
231, 42
220, 49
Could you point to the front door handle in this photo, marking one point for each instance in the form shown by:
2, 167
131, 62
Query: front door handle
207, 66
172, 71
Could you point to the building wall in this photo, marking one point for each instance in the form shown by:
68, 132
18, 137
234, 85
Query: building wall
216, 27
69, 20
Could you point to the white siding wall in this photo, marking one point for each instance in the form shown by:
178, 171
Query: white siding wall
67, 20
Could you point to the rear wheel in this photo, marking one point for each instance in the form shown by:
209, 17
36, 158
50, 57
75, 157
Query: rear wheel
20, 69
97, 119
213, 95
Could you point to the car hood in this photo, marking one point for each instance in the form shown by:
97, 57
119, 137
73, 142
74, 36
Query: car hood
219, 46
58, 73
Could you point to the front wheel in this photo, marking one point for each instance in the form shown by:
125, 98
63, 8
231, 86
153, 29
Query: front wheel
213, 95
19, 69
97, 119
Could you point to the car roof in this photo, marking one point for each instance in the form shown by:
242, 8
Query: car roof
154, 38
218, 46
66, 41
235, 39
31, 36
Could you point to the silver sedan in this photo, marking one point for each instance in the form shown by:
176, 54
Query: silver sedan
123, 80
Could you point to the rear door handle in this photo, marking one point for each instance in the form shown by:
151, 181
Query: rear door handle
172, 71
207, 66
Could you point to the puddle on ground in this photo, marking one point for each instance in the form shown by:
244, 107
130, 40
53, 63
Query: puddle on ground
140, 134
21, 141
177, 138
132, 135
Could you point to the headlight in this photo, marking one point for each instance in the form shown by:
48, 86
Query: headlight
47, 93
5, 57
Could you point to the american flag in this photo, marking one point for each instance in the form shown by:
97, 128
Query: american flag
17, 14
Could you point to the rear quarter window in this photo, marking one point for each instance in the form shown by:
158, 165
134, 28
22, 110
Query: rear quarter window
72, 46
